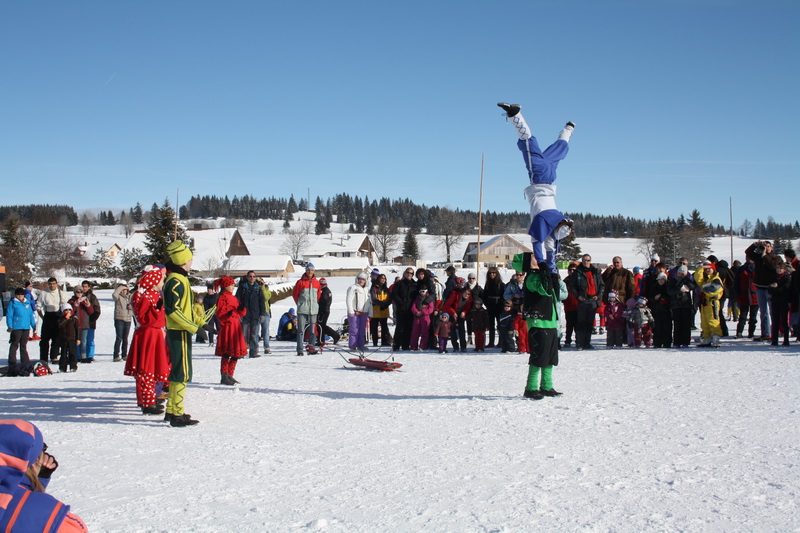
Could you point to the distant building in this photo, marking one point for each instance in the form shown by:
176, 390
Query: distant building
497, 251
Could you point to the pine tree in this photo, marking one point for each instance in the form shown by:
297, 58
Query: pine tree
410, 247
136, 214
160, 232
12, 254
570, 250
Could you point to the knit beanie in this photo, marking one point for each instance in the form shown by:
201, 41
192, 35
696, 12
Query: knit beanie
179, 253
684, 269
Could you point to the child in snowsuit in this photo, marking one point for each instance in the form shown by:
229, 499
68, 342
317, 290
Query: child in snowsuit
630, 305
548, 225
422, 308
231, 345
69, 335
658, 301
641, 320
710, 309
443, 331
539, 307
505, 328
615, 321
479, 319
199, 310
148, 361
83, 309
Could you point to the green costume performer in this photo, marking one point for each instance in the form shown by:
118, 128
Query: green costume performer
182, 324
539, 308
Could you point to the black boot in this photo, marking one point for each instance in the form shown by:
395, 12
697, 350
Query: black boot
179, 421
533, 394
510, 109
152, 410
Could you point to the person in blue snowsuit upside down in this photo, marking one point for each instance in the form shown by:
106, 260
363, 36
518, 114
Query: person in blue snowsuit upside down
549, 226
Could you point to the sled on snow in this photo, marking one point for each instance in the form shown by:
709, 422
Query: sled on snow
372, 364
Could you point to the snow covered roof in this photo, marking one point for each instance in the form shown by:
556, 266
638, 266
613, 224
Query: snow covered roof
260, 263
340, 263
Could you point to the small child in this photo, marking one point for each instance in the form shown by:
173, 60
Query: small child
69, 334
615, 320
505, 328
443, 331
630, 305
200, 310
479, 319
642, 323
422, 308
231, 345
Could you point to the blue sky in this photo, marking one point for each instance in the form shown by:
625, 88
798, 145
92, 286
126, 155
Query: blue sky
678, 104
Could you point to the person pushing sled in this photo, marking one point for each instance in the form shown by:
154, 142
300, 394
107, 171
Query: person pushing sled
548, 226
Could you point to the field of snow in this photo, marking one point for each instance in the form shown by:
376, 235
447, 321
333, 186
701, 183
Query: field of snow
641, 440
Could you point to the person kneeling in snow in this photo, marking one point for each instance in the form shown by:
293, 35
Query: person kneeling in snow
539, 309
548, 226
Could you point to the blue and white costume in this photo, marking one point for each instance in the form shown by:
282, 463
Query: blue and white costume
545, 232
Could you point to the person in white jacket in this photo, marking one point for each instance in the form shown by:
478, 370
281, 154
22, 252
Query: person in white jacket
358, 307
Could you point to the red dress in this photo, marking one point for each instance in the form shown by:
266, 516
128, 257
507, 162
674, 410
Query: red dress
148, 352
230, 340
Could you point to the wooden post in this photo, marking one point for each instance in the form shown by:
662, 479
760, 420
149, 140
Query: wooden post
480, 224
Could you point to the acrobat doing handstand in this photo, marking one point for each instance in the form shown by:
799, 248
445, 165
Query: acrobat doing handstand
548, 226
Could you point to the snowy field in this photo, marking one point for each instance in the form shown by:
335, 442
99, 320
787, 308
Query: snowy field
641, 440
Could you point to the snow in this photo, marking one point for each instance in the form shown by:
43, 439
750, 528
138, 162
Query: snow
641, 440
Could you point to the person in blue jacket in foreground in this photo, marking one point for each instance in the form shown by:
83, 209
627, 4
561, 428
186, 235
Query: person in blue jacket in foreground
25, 469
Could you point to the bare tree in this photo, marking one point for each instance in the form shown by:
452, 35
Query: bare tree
386, 238
447, 224
126, 222
296, 243
269, 230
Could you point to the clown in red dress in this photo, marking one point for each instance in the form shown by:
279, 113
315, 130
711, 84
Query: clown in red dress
231, 345
148, 361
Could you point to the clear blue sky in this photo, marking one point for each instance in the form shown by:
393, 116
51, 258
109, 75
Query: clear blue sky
678, 104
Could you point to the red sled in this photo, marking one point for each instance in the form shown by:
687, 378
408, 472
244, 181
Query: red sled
371, 364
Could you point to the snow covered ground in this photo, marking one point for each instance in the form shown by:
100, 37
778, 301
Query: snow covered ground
641, 440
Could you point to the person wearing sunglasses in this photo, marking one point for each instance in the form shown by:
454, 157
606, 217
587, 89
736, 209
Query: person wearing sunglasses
586, 285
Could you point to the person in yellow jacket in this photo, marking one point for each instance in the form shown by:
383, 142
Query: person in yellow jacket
711, 290
182, 323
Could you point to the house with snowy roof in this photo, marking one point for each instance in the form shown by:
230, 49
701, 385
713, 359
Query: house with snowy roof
496, 251
345, 245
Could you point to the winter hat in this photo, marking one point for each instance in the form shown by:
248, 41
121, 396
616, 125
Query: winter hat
444, 316
179, 253
65, 308
642, 301
323, 282
310, 266
655, 258
708, 264
661, 275
375, 272
636, 270
151, 276
224, 281
684, 269
22, 443
423, 291
362, 275
291, 311
713, 258
613, 295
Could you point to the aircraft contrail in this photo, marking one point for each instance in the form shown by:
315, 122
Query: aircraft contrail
109, 80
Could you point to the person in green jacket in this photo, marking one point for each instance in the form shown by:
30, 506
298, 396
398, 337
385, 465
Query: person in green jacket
540, 310
182, 324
